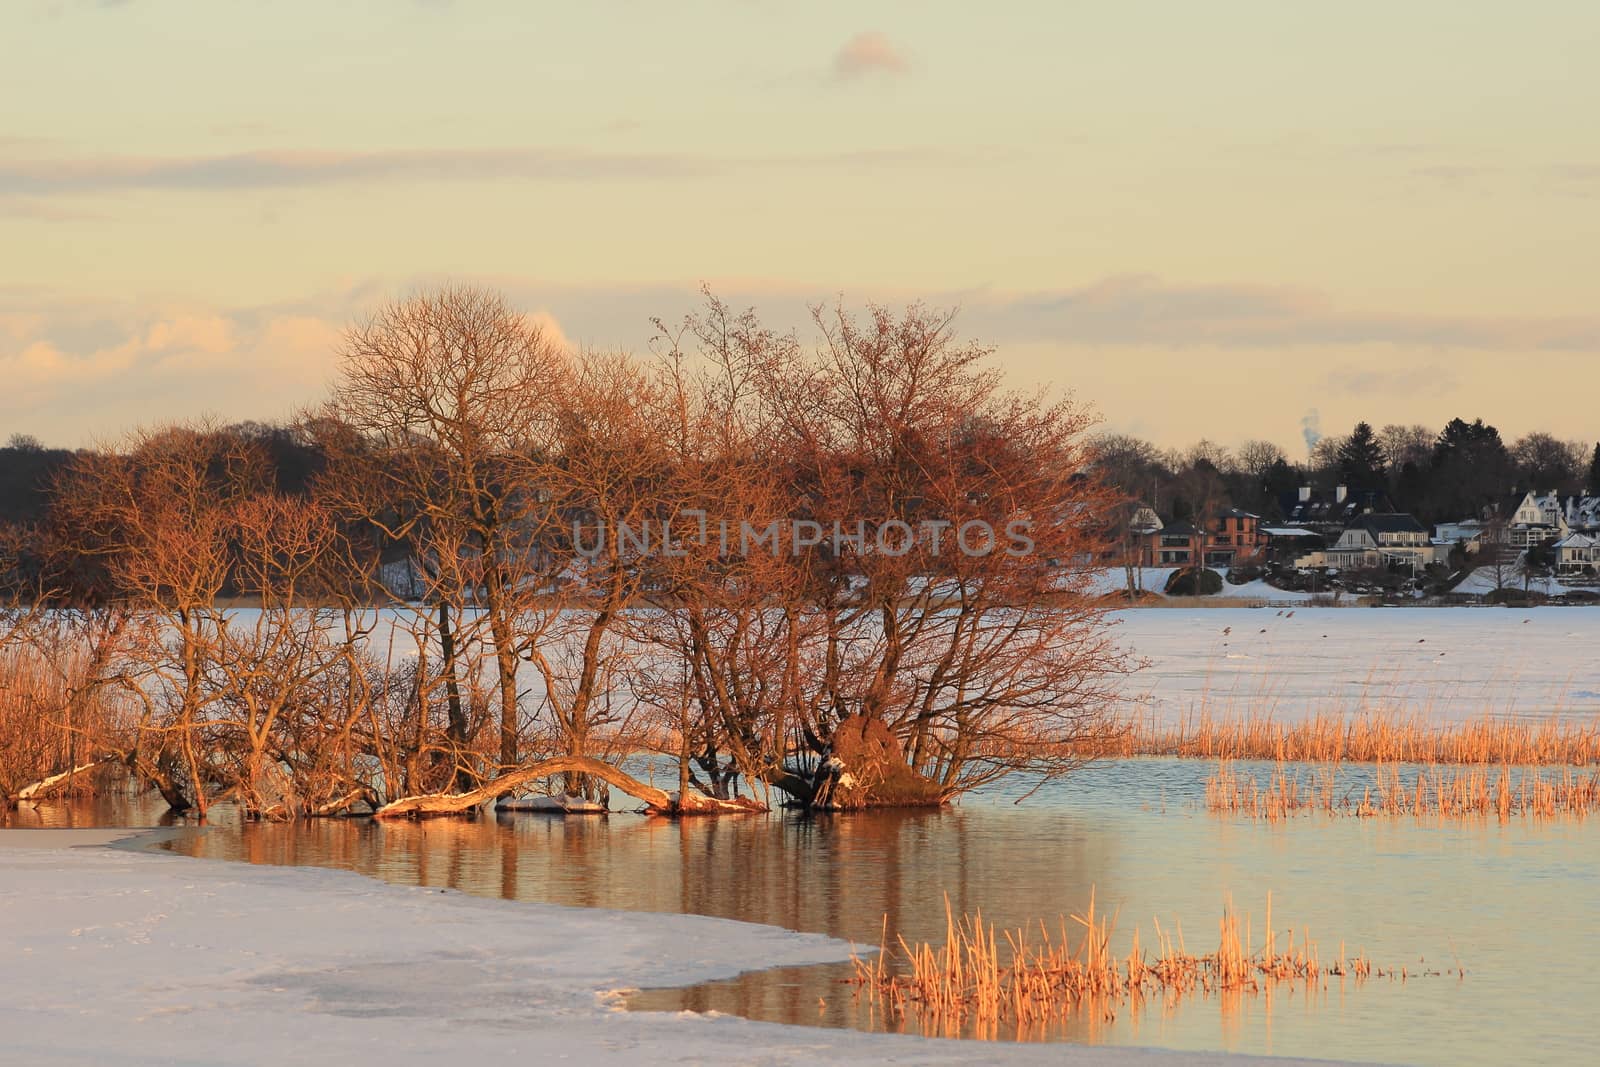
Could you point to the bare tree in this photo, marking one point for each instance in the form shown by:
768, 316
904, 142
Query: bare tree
971, 663
158, 513
1406, 444
447, 395
1547, 463
1257, 458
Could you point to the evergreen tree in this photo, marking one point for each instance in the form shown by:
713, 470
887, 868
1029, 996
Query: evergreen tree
1471, 469
1594, 471
1361, 459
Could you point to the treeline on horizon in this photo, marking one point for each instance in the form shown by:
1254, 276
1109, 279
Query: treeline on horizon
199, 605
1437, 476
1443, 475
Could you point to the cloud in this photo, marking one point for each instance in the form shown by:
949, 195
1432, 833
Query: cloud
277, 169
1140, 310
42, 177
27, 207
1423, 379
1148, 310
1454, 174
866, 54
78, 367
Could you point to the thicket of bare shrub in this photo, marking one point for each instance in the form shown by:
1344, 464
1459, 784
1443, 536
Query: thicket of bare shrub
453, 607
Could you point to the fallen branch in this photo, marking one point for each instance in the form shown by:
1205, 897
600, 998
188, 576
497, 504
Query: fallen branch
39, 789
657, 801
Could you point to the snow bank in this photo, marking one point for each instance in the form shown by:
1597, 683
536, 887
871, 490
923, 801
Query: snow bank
1481, 583
134, 958
1115, 580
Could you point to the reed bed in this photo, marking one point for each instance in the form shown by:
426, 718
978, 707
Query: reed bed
1433, 790
51, 721
979, 978
1371, 736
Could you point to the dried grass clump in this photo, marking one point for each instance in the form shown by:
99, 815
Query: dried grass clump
1373, 737
1433, 790
978, 979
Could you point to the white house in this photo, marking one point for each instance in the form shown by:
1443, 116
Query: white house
1380, 541
1468, 533
1533, 520
1578, 554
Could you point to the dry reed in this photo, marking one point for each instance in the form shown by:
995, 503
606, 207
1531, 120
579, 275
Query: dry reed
1372, 737
976, 980
1429, 790
39, 739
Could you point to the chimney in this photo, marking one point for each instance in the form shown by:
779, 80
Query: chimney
1305, 494
1340, 493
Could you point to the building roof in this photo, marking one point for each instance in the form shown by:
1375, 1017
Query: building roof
1390, 523
1324, 510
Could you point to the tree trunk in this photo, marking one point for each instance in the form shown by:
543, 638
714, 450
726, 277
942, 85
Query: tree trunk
456, 729
657, 800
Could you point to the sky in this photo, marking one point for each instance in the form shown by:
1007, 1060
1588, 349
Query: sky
1227, 220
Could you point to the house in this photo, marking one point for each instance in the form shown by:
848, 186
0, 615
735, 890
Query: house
1468, 534
1524, 521
1138, 535
1578, 555
1379, 541
1583, 513
1234, 536
1143, 519
1176, 544
1285, 544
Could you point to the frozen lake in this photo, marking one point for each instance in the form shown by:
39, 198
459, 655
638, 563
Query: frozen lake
1451, 663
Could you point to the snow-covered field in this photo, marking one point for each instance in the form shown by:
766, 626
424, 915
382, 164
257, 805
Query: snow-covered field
1449, 663
118, 957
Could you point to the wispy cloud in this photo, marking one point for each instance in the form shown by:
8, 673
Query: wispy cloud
1454, 174
25, 207
66, 175
1147, 310
276, 169
76, 367
1428, 379
866, 54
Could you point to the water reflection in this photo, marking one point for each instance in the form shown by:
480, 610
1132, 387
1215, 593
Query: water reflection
1517, 903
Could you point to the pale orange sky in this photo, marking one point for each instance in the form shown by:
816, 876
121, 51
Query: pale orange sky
1207, 220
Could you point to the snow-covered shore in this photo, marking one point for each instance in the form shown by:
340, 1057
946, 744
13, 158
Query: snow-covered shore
113, 956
